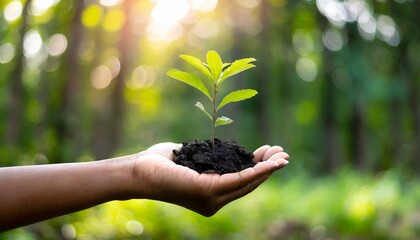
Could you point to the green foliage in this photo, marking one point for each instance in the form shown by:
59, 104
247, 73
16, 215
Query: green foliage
217, 72
190, 80
348, 97
237, 96
347, 205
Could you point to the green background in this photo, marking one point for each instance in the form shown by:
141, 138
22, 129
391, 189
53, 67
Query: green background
338, 85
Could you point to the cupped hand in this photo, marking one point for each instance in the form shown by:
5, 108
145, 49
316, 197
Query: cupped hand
156, 176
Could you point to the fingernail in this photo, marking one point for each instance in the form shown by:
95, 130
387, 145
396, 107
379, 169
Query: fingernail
285, 162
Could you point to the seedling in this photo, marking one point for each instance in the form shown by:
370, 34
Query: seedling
216, 72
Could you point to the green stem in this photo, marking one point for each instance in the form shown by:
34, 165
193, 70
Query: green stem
214, 115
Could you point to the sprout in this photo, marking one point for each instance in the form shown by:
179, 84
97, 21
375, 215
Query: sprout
216, 72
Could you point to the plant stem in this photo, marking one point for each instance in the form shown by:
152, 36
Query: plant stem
214, 115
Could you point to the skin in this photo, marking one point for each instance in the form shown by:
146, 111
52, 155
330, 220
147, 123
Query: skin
34, 193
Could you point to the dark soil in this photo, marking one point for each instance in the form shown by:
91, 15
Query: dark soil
226, 157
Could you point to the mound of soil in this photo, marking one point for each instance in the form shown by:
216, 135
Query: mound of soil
225, 157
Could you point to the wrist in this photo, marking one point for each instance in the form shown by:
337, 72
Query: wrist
121, 175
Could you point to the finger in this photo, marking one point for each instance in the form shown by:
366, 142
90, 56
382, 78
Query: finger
233, 181
164, 149
259, 153
230, 196
273, 150
175, 146
279, 157
250, 186
164, 146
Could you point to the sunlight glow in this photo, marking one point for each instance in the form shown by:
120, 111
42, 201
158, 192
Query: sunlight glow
39, 7
206, 28
163, 33
7, 53
109, 3
13, 11
204, 5
170, 12
167, 18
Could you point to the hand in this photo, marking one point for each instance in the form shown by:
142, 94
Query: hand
156, 176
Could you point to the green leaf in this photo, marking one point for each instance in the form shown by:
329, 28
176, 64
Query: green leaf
237, 67
237, 96
201, 107
190, 80
225, 65
215, 63
223, 121
197, 64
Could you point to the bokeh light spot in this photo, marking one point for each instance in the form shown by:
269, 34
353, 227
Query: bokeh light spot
92, 16
57, 44
13, 11
306, 69
303, 42
333, 39
114, 65
142, 77
134, 227
68, 231
39, 7
387, 30
366, 25
101, 77
7, 53
32, 43
114, 20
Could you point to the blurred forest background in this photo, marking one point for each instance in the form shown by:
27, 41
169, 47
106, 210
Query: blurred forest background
338, 83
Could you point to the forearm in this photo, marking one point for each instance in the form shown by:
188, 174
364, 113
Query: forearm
33, 193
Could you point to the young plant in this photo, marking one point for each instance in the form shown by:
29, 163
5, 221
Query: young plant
216, 72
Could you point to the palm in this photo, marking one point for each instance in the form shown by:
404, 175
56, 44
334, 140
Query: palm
203, 193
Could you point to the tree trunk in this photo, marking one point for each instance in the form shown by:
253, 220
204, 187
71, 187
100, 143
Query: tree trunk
17, 104
107, 139
126, 47
264, 127
328, 123
357, 134
67, 133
